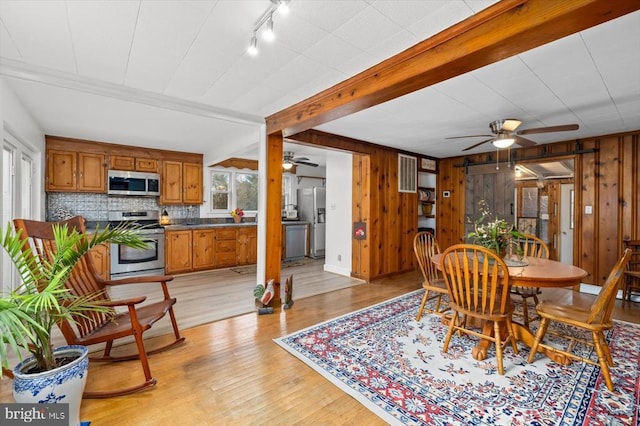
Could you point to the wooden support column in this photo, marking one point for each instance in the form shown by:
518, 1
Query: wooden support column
274, 212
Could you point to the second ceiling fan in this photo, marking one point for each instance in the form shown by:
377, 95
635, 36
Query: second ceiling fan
289, 160
505, 134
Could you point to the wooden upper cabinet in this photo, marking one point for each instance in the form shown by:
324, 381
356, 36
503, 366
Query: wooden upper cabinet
92, 172
120, 162
148, 165
181, 183
125, 162
192, 183
72, 171
171, 182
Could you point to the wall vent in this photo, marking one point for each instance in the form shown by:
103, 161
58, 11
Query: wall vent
407, 173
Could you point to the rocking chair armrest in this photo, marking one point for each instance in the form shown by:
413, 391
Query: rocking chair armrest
140, 280
124, 302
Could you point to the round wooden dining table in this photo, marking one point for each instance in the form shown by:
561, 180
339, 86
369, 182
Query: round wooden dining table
535, 272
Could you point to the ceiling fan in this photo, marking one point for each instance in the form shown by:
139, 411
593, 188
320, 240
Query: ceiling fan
505, 134
289, 160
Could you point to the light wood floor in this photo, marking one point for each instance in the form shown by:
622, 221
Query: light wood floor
231, 372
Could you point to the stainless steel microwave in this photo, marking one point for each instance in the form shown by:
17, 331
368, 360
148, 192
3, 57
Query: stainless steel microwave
133, 183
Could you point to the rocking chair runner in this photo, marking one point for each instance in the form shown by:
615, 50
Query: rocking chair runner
98, 327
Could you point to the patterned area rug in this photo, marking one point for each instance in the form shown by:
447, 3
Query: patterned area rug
394, 366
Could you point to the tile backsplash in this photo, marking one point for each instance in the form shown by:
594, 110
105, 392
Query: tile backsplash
95, 207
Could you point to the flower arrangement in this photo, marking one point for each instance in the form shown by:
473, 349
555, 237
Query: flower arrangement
237, 212
496, 234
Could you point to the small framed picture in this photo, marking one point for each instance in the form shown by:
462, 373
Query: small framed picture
427, 164
528, 225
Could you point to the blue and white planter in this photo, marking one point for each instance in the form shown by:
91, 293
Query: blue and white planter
60, 385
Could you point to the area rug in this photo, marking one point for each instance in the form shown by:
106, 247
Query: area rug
251, 269
394, 366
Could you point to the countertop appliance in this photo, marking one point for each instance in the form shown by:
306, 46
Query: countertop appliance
128, 262
133, 183
312, 209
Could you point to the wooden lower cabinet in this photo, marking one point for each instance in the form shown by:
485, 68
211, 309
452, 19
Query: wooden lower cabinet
247, 246
225, 247
189, 250
178, 251
102, 260
203, 249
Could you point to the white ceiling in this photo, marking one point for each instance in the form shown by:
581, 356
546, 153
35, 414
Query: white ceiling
175, 75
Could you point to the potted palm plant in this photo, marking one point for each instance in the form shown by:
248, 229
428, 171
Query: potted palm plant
29, 312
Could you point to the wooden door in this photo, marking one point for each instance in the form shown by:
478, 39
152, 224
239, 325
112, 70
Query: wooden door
192, 181
203, 249
61, 170
178, 246
171, 182
92, 172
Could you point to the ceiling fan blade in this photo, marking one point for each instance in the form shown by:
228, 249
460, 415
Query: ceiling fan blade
304, 163
561, 128
470, 136
478, 144
524, 142
300, 159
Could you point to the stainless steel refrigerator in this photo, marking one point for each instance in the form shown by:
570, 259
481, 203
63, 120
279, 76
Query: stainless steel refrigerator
312, 209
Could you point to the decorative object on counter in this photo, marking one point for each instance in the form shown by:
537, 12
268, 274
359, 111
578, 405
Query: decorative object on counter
497, 235
287, 300
237, 215
164, 218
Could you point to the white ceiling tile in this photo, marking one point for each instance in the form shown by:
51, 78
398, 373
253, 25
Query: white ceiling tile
164, 33
7, 47
49, 46
327, 15
332, 51
408, 12
368, 28
440, 19
102, 32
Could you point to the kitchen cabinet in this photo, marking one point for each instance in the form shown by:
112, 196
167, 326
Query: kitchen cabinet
178, 249
101, 260
225, 248
203, 249
71, 171
129, 163
247, 245
181, 183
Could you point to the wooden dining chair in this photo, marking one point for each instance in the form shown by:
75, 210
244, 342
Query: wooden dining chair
478, 283
631, 283
96, 327
534, 247
424, 247
595, 319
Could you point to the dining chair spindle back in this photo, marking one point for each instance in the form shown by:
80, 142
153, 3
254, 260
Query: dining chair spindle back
424, 247
478, 283
631, 284
534, 247
595, 319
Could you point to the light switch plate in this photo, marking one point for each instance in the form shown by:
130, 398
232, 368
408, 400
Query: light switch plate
446, 194
588, 209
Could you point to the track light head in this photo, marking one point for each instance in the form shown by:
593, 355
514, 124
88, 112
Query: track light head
252, 49
268, 33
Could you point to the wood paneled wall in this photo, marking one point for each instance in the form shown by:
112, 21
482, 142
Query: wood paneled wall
608, 179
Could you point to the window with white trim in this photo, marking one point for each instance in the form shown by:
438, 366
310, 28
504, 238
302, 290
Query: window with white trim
233, 189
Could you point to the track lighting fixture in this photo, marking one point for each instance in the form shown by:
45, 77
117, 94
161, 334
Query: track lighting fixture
268, 34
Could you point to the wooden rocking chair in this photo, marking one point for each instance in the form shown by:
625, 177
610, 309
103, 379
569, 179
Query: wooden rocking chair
99, 327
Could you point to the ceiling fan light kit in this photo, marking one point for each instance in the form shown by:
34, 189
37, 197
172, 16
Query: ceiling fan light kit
503, 141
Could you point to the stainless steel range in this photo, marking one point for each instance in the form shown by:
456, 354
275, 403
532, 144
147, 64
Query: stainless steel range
128, 262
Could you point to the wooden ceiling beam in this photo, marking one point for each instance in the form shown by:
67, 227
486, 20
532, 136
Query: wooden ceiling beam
504, 29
